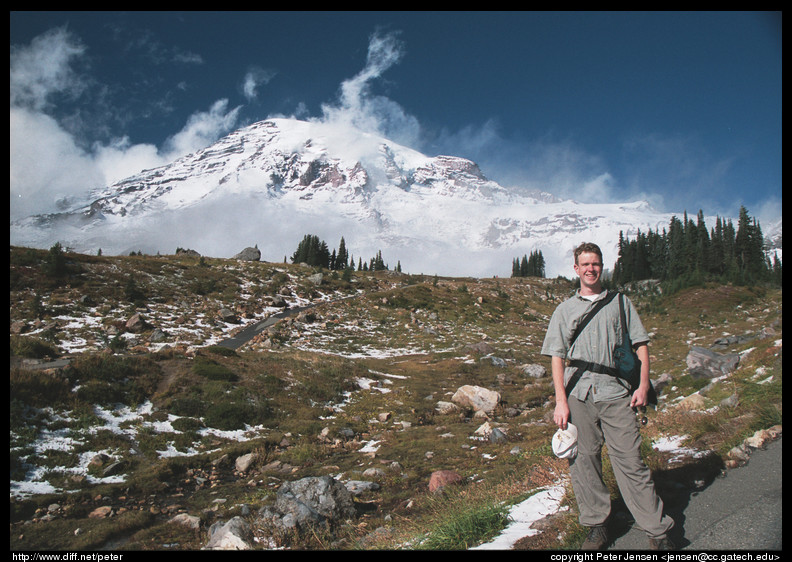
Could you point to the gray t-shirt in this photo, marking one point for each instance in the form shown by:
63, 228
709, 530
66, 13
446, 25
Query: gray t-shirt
594, 344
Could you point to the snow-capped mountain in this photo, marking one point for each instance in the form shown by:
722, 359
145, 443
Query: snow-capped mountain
273, 182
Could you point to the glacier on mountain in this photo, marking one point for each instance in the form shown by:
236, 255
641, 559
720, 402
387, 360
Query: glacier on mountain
272, 182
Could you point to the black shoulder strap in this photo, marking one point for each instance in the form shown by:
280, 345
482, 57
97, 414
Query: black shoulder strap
591, 313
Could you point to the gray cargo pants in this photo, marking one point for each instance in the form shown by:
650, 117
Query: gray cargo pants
616, 422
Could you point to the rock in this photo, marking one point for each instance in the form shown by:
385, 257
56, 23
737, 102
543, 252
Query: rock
476, 398
316, 279
227, 315
189, 521
496, 361
703, 363
374, 473
661, 382
730, 402
158, 336
114, 468
136, 323
759, 440
243, 463
101, 512
444, 408
248, 254
311, 501
357, 487
497, 436
187, 252
692, 402
534, 371
739, 454
484, 430
482, 348
234, 535
442, 478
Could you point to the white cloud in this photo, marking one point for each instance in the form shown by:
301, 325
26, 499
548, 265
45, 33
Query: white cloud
358, 107
44, 68
202, 128
254, 78
48, 164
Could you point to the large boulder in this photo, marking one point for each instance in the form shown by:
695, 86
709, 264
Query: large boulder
233, 535
476, 398
704, 363
249, 254
315, 500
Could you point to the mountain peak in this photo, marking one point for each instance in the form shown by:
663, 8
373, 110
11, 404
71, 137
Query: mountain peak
274, 181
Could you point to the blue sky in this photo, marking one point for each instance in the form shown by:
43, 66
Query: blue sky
682, 109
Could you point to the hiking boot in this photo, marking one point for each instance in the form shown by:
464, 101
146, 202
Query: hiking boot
597, 538
661, 544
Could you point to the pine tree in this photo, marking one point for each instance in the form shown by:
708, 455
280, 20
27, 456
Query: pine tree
688, 253
343, 257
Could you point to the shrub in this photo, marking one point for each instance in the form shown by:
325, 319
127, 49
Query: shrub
213, 371
37, 388
229, 416
31, 347
189, 406
109, 379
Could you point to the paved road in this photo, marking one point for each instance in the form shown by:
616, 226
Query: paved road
739, 512
243, 336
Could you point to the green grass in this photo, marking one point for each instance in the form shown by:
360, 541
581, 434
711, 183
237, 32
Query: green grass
463, 525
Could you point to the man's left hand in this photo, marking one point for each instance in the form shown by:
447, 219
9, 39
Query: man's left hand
640, 397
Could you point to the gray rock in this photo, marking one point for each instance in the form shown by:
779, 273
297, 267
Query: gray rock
227, 315
704, 363
358, 487
535, 371
249, 254
496, 361
311, 501
233, 535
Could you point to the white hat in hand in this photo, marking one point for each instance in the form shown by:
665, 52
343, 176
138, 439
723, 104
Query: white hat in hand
565, 442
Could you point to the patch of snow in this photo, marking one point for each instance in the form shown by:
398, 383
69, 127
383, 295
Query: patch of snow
522, 515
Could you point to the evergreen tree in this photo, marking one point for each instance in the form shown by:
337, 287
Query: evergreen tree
688, 254
343, 257
312, 251
529, 267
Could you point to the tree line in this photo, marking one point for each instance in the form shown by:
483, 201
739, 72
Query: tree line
533, 266
689, 253
315, 252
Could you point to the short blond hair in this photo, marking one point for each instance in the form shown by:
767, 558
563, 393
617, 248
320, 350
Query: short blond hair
588, 247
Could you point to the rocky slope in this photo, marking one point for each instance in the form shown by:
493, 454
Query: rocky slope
152, 421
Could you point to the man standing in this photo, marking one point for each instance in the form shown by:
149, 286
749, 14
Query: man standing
601, 407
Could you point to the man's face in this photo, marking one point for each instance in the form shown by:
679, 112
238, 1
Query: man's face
589, 269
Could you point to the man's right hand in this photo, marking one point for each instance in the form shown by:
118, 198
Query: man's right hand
561, 415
